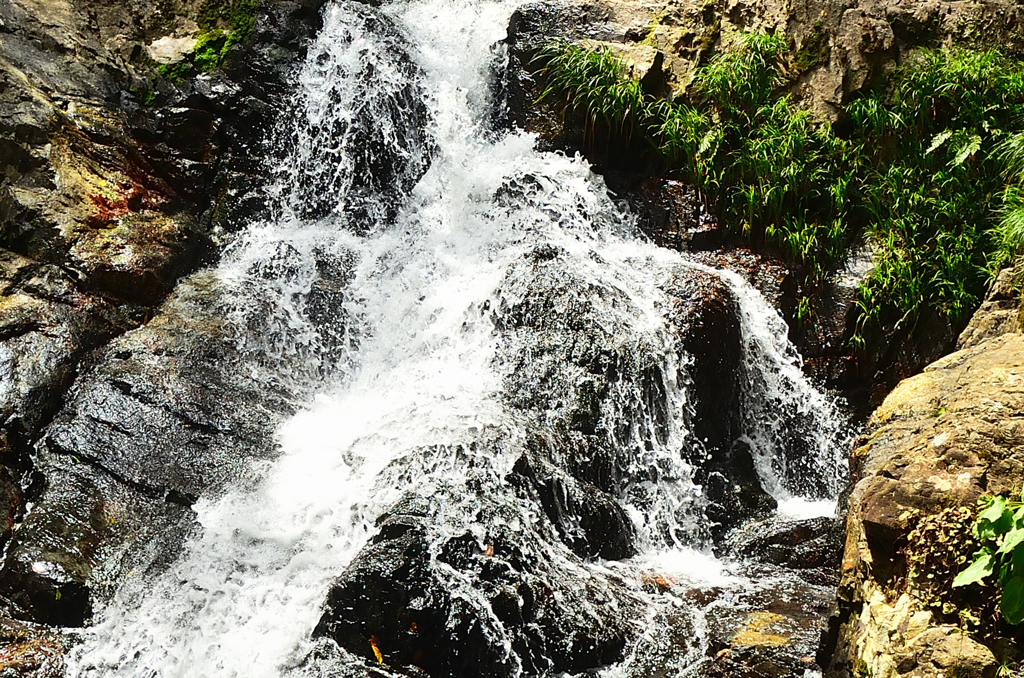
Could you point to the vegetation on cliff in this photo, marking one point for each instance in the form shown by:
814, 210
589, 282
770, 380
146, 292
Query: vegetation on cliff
1000, 527
917, 164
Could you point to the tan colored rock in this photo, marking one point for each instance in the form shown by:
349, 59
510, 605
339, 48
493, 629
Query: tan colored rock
999, 313
171, 50
941, 439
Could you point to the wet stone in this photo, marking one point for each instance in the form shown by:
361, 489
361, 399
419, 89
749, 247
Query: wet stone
30, 651
796, 544
86, 530
773, 630
454, 604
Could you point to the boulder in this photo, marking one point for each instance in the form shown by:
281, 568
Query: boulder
999, 314
939, 441
573, 358
385, 142
164, 414
495, 600
795, 544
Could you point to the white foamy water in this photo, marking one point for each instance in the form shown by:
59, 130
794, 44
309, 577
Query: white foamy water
410, 372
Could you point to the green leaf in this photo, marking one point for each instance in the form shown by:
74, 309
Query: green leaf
1012, 539
994, 510
970, 146
978, 570
938, 140
1012, 601
997, 519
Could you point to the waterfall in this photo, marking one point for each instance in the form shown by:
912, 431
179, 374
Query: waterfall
450, 306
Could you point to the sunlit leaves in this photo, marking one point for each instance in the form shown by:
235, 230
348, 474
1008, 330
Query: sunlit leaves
1000, 525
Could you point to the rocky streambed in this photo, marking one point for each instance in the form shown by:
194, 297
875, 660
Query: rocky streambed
136, 385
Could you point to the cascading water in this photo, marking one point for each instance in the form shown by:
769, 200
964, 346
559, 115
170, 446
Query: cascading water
480, 342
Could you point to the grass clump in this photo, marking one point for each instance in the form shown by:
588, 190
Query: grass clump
919, 166
931, 179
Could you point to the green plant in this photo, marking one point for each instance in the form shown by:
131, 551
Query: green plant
595, 84
225, 23
1000, 526
920, 169
1009, 231
932, 173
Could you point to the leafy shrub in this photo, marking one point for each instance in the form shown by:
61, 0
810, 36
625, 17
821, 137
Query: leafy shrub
920, 169
932, 175
1000, 526
936, 547
1009, 232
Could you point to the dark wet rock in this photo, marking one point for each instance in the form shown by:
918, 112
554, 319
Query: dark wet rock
163, 404
770, 631
800, 544
672, 215
612, 395
672, 641
456, 603
589, 520
163, 415
704, 313
30, 651
47, 324
12, 504
733, 490
517, 92
385, 139
80, 535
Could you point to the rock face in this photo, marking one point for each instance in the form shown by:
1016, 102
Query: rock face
837, 48
125, 160
163, 415
110, 168
938, 442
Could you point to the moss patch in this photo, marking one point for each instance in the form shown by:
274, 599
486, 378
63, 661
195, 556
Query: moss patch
814, 51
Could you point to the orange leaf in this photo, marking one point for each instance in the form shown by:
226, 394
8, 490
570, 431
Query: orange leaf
376, 650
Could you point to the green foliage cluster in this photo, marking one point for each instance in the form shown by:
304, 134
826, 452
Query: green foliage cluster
1000, 527
918, 168
1009, 232
933, 175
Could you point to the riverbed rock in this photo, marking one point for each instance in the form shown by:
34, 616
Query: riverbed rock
796, 544
939, 441
163, 415
573, 358
496, 597
29, 651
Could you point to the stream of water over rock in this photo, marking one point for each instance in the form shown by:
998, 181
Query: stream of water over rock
494, 369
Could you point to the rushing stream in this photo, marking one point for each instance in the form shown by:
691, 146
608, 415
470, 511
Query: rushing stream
452, 307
